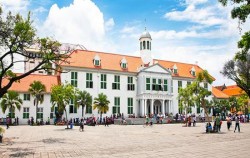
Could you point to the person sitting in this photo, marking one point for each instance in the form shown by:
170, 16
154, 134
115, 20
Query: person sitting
208, 127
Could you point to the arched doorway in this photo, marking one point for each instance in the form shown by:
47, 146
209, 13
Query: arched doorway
157, 107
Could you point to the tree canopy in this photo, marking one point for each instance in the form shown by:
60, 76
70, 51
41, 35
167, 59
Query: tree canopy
237, 69
11, 100
37, 90
61, 96
17, 35
83, 98
101, 103
241, 9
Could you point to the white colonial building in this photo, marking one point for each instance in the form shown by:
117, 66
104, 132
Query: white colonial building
134, 85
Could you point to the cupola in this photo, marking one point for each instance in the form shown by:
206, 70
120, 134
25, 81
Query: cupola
145, 48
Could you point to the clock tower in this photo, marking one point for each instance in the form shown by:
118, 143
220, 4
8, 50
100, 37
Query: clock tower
145, 48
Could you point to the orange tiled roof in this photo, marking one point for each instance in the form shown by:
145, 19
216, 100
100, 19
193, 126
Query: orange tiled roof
219, 94
109, 61
24, 84
233, 90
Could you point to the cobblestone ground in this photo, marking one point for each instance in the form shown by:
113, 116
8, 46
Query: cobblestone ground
171, 140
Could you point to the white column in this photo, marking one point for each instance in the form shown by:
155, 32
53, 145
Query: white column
172, 106
152, 106
168, 106
163, 107
141, 106
144, 106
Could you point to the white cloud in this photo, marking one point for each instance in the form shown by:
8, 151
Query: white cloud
15, 6
195, 1
109, 24
205, 16
128, 29
81, 22
40, 10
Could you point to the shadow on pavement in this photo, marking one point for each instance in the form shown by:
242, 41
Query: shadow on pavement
52, 141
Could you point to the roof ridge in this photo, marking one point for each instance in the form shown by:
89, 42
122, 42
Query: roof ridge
110, 53
177, 62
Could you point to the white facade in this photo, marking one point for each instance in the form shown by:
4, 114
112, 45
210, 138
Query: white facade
45, 109
152, 89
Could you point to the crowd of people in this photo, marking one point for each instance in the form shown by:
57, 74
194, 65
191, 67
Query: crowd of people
217, 123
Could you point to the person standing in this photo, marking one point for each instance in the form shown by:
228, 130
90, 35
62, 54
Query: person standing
8, 122
106, 121
194, 120
82, 125
229, 122
237, 123
217, 123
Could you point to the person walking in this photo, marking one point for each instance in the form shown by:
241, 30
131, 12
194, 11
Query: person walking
237, 123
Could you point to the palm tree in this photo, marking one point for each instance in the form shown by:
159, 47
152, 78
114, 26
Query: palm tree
101, 104
61, 96
37, 89
83, 98
11, 100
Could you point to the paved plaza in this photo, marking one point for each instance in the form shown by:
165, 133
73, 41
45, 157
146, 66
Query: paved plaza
170, 140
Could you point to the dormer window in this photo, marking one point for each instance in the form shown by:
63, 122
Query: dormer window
175, 69
97, 61
193, 71
124, 63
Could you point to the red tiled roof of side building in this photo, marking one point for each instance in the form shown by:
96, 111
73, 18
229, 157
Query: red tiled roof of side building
219, 94
110, 61
24, 84
233, 90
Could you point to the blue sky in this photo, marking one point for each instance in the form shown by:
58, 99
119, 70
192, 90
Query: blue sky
188, 31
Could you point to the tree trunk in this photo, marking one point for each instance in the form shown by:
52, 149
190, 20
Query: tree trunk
66, 118
101, 117
205, 109
186, 117
36, 113
83, 111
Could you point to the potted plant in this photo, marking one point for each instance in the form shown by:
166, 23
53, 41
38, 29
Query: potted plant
1, 134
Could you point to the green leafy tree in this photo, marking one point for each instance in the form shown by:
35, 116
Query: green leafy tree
238, 71
241, 9
17, 35
238, 68
101, 103
61, 96
83, 99
11, 100
186, 98
201, 93
37, 90
242, 101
